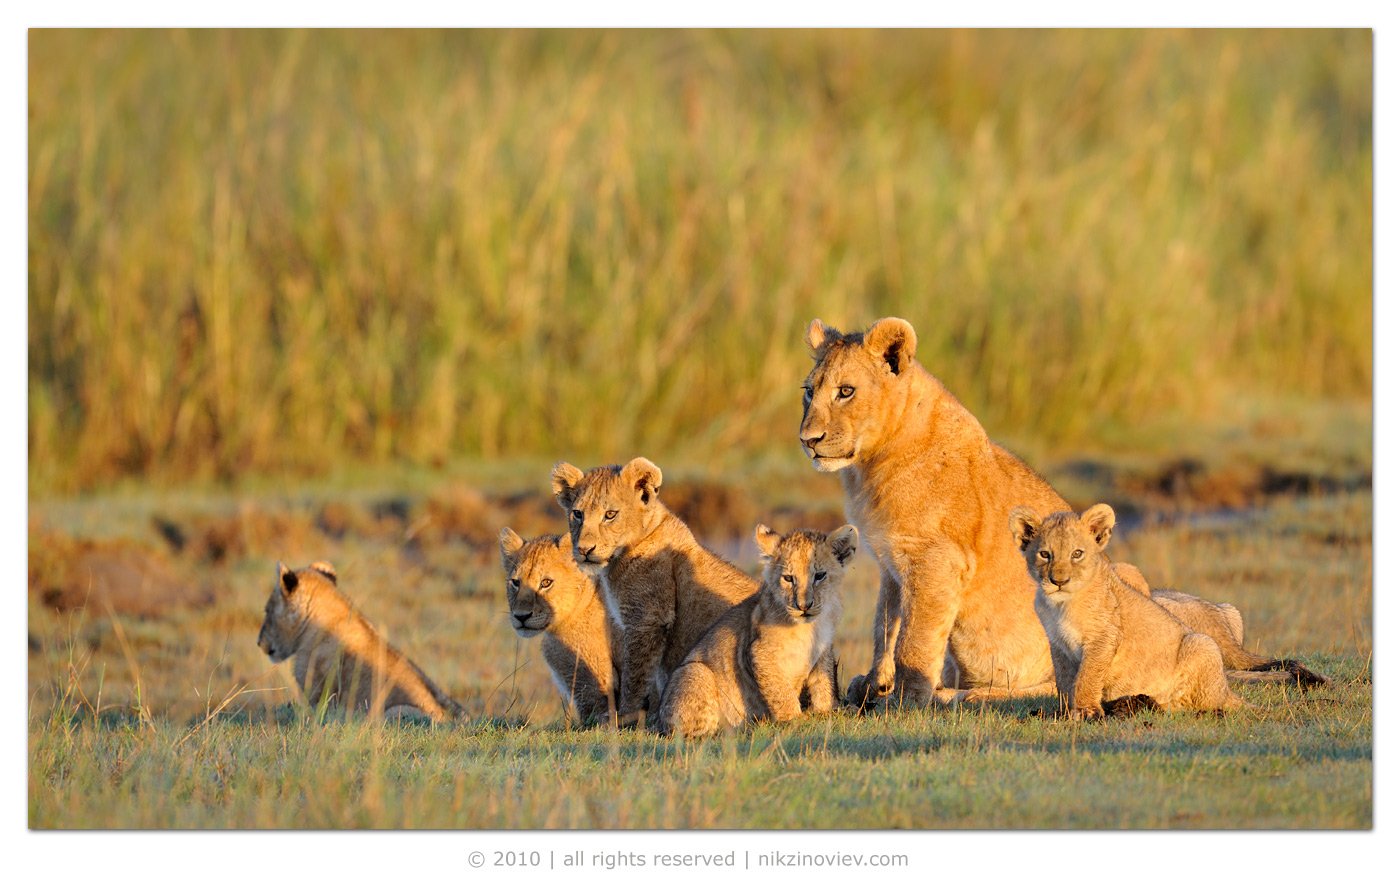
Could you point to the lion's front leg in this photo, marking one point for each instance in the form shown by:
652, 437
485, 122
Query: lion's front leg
932, 599
866, 688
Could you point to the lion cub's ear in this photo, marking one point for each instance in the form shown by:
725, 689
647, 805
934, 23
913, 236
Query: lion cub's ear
1100, 520
767, 540
564, 478
510, 543
643, 477
326, 569
1024, 524
843, 543
892, 340
286, 578
818, 334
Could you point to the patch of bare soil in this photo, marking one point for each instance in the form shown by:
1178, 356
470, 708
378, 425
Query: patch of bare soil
70, 573
1192, 483
250, 532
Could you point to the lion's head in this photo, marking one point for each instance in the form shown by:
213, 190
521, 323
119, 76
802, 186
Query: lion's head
543, 585
609, 508
804, 569
854, 390
289, 608
1064, 551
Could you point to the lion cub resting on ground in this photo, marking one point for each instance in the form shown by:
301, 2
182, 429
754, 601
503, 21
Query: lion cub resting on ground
340, 658
549, 594
1108, 641
759, 659
661, 585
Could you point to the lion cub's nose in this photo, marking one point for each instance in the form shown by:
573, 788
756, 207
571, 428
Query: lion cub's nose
522, 619
810, 440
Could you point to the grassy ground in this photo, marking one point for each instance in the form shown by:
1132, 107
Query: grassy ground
210, 739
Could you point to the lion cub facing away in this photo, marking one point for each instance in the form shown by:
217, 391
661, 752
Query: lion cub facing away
1108, 641
757, 661
340, 658
549, 594
661, 585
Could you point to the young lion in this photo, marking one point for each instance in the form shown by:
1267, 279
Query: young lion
340, 658
660, 584
929, 491
757, 661
1108, 641
549, 594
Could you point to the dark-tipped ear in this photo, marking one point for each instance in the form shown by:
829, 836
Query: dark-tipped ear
564, 478
1024, 524
818, 334
326, 569
767, 540
1099, 520
643, 477
287, 578
893, 341
510, 542
843, 543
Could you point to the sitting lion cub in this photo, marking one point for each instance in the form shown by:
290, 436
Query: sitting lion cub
340, 658
759, 659
1107, 640
549, 594
661, 584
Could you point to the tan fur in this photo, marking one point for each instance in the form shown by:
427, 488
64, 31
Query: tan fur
660, 583
340, 658
549, 594
1107, 639
930, 492
1222, 622
759, 660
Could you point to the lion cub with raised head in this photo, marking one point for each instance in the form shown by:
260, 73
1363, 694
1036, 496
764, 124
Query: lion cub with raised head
549, 594
1107, 640
660, 584
759, 660
341, 659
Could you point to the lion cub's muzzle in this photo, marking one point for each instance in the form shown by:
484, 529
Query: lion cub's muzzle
521, 624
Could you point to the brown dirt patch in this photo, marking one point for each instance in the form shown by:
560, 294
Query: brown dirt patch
67, 573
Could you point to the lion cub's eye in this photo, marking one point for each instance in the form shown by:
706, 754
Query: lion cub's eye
789, 579
806, 394
515, 583
610, 515
1044, 554
576, 515
1077, 555
846, 391
818, 577
546, 583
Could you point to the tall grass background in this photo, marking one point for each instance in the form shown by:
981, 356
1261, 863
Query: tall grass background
278, 251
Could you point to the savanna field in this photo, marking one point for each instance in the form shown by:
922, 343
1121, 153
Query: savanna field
347, 296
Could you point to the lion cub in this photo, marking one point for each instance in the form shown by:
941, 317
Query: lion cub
340, 658
1107, 640
660, 584
549, 594
760, 658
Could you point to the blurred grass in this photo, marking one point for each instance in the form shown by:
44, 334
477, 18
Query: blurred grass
256, 252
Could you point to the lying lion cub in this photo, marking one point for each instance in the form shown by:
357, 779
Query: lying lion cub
340, 658
772, 649
1108, 641
548, 594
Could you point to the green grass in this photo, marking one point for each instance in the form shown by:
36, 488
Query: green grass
286, 251
1305, 762
178, 720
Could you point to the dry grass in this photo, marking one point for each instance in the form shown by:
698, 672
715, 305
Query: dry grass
272, 251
